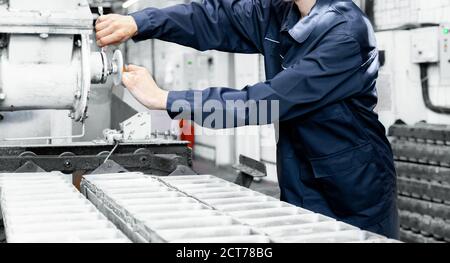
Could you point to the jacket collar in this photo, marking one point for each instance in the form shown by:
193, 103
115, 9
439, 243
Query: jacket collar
300, 29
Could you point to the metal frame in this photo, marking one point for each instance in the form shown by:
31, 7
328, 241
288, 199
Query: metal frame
159, 158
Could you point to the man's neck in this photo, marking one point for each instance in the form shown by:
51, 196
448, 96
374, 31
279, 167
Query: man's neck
305, 6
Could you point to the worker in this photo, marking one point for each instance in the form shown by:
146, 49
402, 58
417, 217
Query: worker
322, 63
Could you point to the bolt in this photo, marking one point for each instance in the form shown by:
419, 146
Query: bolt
78, 95
67, 164
72, 115
143, 159
78, 43
2, 96
43, 35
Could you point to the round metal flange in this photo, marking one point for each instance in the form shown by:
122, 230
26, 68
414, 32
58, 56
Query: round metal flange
103, 154
117, 64
80, 106
67, 154
28, 154
142, 151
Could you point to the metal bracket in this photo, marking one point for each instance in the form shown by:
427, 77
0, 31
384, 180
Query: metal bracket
183, 170
109, 167
30, 167
249, 169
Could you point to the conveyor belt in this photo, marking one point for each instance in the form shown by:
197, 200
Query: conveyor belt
45, 208
208, 209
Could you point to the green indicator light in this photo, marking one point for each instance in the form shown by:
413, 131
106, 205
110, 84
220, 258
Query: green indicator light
446, 31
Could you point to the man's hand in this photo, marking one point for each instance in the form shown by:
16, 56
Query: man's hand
141, 84
115, 29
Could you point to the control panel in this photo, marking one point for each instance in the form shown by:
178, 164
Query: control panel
444, 41
425, 45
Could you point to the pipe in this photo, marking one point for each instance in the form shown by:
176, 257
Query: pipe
426, 92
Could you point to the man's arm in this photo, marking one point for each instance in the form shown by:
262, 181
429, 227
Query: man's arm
312, 83
225, 25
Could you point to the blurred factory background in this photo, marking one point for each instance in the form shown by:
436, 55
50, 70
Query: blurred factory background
413, 87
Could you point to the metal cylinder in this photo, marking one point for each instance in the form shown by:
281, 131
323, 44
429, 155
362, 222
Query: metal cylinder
41, 72
99, 70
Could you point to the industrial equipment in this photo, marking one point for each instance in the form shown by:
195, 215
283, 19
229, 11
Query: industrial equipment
45, 207
209, 210
422, 161
33, 214
46, 60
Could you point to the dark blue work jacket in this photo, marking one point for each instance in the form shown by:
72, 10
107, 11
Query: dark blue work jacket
333, 155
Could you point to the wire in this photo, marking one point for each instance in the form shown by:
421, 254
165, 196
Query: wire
112, 151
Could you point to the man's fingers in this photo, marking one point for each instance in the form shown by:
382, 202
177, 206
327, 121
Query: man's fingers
134, 68
103, 18
127, 79
105, 32
102, 25
109, 40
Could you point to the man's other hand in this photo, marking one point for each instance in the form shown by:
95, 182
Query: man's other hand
115, 29
142, 86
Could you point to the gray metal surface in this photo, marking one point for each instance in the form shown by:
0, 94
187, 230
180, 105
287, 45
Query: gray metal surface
280, 221
48, 41
45, 208
207, 209
147, 210
426, 225
422, 165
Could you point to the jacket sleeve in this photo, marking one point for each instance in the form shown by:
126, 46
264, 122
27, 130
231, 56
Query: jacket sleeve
225, 25
330, 73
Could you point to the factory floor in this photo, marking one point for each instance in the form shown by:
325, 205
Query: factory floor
266, 187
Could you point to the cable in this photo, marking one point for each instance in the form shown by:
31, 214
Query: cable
426, 92
112, 151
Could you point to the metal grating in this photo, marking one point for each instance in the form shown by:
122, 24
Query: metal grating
45, 208
147, 210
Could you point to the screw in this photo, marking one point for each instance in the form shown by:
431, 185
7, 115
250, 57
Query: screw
2, 96
143, 159
78, 95
43, 35
67, 164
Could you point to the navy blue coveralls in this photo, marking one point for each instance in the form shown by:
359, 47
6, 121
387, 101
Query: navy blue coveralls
333, 155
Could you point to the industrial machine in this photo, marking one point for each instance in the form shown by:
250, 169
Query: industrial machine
45, 50
47, 62
143, 209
